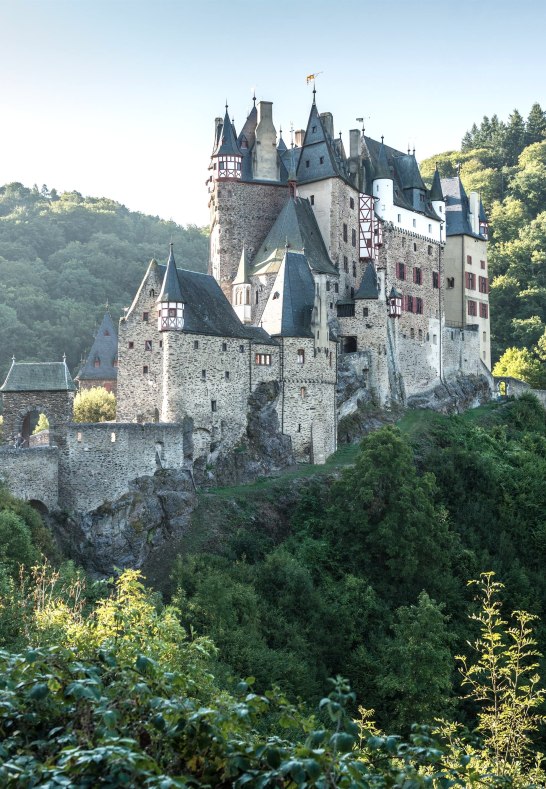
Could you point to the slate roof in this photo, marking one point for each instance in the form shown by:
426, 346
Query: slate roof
227, 142
436, 192
369, 288
207, 311
296, 228
170, 289
105, 349
320, 157
457, 208
290, 305
243, 271
38, 377
404, 171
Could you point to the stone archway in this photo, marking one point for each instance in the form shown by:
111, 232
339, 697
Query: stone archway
39, 506
27, 423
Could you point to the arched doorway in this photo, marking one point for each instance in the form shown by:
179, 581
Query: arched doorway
34, 430
39, 506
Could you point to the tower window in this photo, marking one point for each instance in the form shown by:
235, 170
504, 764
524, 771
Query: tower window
130, 345
351, 202
451, 282
226, 375
257, 297
203, 375
345, 263
417, 275
307, 162
263, 359
399, 221
224, 346
435, 280
353, 237
241, 348
321, 159
336, 287
303, 392
415, 223
145, 316
195, 345
344, 232
430, 228
482, 263
414, 247
313, 129
429, 249
401, 270
213, 406
145, 370
312, 199
469, 260
147, 345
354, 268
327, 284
152, 293
365, 312
301, 356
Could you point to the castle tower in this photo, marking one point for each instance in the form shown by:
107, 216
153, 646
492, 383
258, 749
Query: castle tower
101, 366
170, 313
438, 201
226, 157
383, 184
240, 297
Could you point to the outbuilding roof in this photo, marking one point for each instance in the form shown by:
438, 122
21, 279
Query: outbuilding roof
38, 377
105, 351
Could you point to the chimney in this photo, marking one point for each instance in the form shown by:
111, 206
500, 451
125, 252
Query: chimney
266, 144
354, 143
299, 137
328, 123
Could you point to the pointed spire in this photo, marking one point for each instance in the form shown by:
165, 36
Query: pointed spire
382, 169
227, 139
436, 188
170, 290
242, 277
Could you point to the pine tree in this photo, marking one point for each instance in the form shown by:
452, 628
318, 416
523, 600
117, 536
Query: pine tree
535, 128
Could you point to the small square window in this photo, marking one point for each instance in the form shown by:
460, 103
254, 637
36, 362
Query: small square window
130, 345
147, 345
241, 348
145, 316
365, 312
145, 370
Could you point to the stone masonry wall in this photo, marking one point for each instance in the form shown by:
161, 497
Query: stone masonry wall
100, 460
57, 406
31, 474
139, 392
241, 213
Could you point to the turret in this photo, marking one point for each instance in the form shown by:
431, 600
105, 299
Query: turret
240, 289
383, 183
226, 156
170, 314
438, 200
265, 151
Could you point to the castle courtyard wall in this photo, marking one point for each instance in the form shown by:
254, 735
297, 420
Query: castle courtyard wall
31, 474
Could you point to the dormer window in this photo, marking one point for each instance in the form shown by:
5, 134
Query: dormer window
322, 160
96, 362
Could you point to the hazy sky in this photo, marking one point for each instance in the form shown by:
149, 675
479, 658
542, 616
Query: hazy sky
117, 98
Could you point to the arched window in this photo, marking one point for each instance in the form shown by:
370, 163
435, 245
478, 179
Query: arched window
247, 299
301, 356
303, 392
152, 292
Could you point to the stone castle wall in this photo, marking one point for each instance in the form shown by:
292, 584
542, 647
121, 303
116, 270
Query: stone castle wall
241, 213
31, 474
57, 406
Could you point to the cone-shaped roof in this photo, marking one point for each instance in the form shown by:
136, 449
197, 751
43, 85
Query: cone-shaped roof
227, 142
382, 169
436, 188
170, 290
243, 277
105, 351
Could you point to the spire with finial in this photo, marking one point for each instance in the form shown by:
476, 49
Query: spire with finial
170, 315
436, 194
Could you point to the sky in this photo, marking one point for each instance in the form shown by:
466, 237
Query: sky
117, 98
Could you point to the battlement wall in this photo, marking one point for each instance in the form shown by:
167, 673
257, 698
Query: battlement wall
31, 474
100, 460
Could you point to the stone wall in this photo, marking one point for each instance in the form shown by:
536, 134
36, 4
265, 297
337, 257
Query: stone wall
461, 351
31, 474
241, 213
57, 406
100, 460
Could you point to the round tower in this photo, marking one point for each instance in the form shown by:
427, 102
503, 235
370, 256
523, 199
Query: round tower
226, 160
437, 199
383, 188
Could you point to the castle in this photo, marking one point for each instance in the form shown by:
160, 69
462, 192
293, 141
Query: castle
320, 261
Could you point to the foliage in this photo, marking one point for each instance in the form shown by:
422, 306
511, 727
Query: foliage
94, 405
504, 681
520, 363
62, 257
41, 425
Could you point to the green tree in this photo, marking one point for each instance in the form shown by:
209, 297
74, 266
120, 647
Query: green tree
415, 674
519, 363
16, 546
41, 425
535, 127
94, 405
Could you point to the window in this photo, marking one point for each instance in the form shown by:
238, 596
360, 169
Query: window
354, 268
353, 237
430, 231
106, 333
203, 375
327, 284
345, 263
429, 249
451, 282
195, 345
399, 221
336, 287
96, 363
224, 346
345, 231
471, 307
469, 260
145, 370
152, 293
435, 279
263, 359
130, 345
420, 335
484, 310
307, 162
412, 333
172, 312
484, 336
414, 222
145, 316
257, 297
79, 437
470, 280
419, 306
299, 427
213, 406
301, 356
482, 264
401, 270
415, 247
313, 129
241, 348
403, 237
147, 345
483, 285
351, 202
417, 275
345, 310
321, 159
434, 339
113, 438
303, 392
408, 303
312, 199
365, 312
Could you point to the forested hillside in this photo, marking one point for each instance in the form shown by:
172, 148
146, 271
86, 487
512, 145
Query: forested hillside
63, 257
506, 163
365, 576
